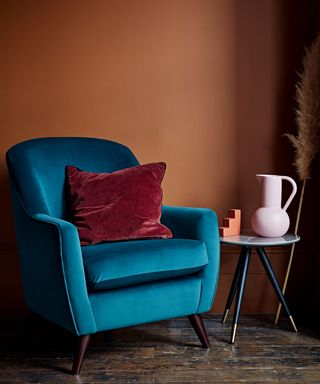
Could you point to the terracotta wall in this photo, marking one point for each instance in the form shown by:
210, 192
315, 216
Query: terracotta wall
204, 85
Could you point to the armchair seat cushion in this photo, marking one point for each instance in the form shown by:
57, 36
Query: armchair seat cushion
119, 264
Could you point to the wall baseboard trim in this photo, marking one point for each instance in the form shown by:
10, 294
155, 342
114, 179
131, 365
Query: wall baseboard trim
8, 246
301, 248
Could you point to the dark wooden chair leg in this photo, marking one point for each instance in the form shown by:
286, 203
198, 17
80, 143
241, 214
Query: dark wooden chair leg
83, 342
198, 326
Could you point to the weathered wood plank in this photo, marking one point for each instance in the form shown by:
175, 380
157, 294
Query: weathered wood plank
33, 351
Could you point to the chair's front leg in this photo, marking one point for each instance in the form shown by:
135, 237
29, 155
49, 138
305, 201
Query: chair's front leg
83, 342
198, 326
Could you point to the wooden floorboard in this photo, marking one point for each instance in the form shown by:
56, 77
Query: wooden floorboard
34, 351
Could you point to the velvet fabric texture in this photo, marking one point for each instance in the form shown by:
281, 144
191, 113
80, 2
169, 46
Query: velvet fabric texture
121, 205
123, 263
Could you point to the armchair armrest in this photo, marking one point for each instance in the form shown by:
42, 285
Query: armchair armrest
52, 271
199, 224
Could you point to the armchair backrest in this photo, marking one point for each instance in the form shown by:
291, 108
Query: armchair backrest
37, 167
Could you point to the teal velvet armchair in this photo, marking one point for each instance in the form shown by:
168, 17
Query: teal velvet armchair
178, 276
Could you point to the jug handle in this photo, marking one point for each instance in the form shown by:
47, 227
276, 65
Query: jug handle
294, 191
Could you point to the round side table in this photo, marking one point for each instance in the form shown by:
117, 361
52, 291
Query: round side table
247, 242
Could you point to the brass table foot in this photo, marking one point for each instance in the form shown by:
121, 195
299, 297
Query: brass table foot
225, 315
293, 324
233, 335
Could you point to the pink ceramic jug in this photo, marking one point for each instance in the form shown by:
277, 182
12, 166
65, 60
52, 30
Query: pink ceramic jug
271, 220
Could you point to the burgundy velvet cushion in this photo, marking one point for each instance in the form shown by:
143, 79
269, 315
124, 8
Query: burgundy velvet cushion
121, 205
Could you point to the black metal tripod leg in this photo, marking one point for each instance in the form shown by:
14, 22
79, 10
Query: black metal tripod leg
267, 266
234, 284
242, 282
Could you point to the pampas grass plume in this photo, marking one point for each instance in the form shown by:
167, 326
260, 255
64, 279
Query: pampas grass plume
307, 141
